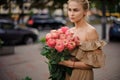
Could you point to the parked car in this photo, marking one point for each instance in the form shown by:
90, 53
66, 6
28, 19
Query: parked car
40, 21
12, 34
114, 32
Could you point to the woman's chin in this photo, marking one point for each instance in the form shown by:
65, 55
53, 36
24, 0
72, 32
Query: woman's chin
72, 21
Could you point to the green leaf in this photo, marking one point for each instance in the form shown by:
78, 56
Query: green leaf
43, 40
62, 58
69, 70
45, 50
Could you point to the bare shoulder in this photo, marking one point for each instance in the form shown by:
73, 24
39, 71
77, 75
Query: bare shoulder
92, 33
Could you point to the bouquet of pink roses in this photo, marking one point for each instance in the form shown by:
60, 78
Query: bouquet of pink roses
59, 44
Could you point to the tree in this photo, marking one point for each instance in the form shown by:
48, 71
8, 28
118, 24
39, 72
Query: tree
110, 4
50, 4
2, 2
40, 4
43, 3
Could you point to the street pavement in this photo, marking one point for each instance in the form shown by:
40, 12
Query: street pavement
27, 61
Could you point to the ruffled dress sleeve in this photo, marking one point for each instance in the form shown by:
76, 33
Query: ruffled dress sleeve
90, 52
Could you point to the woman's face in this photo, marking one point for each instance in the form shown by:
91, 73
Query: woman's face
75, 11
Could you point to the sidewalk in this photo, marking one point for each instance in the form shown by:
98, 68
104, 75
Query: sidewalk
26, 61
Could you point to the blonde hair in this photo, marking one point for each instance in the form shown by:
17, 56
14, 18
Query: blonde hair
85, 3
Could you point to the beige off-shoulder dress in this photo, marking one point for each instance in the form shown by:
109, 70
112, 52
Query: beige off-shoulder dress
87, 53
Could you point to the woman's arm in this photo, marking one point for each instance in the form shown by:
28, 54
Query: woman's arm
73, 64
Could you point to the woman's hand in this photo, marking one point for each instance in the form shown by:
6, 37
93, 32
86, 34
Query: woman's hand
67, 63
73, 64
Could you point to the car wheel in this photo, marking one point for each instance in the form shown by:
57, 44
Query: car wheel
28, 40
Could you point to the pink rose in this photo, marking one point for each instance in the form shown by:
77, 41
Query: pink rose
71, 45
69, 37
62, 36
53, 31
69, 33
55, 35
59, 46
48, 36
60, 31
76, 40
51, 43
65, 42
64, 29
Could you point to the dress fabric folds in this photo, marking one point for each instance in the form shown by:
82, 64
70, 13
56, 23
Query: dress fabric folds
89, 52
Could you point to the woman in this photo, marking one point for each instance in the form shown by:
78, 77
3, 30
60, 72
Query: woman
89, 55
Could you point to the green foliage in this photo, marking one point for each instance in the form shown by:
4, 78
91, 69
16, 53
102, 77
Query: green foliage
43, 3
59, 3
57, 72
109, 4
43, 40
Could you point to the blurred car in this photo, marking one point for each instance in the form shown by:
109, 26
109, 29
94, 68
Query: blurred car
40, 21
114, 32
11, 34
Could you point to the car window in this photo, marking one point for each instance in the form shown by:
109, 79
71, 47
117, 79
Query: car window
7, 26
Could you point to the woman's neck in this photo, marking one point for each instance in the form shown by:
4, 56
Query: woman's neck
80, 24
